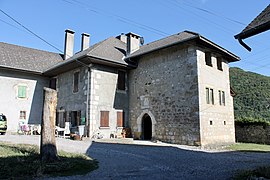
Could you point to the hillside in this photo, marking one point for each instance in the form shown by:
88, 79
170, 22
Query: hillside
252, 94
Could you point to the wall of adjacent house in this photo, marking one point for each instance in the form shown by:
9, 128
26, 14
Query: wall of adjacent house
216, 121
165, 87
11, 104
106, 97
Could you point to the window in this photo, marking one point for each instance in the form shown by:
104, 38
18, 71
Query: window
22, 91
52, 84
208, 59
219, 64
121, 81
76, 82
209, 96
104, 118
120, 118
22, 114
223, 98
221, 95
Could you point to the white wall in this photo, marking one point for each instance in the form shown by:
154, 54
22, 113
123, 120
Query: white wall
11, 105
211, 77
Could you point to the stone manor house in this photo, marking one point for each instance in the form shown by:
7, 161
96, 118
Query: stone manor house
175, 89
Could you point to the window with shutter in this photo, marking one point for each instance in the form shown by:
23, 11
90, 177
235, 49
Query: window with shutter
104, 118
21, 91
120, 118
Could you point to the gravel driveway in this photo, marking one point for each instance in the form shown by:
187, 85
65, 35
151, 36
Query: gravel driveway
131, 161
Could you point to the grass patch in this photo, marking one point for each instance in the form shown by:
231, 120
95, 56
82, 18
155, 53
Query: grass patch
23, 162
250, 147
253, 174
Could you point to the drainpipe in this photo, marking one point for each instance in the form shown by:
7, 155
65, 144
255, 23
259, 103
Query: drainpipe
244, 44
87, 99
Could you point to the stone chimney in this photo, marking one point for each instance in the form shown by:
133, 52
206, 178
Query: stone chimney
133, 42
85, 41
122, 37
69, 44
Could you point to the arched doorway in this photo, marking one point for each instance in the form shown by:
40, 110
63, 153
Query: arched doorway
146, 127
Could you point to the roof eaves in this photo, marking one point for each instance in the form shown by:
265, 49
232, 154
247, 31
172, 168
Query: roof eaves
162, 47
20, 70
253, 31
234, 57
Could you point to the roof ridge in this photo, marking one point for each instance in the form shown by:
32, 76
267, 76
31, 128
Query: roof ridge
98, 44
176, 34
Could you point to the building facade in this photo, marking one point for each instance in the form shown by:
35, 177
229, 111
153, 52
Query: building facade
175, 89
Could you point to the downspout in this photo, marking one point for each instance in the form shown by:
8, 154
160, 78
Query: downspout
244, 44
87, 100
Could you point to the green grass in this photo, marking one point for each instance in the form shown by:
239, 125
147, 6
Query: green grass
259, 172
23, 162
249, 147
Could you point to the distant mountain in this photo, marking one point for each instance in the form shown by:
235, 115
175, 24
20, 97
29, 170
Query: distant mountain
252, 94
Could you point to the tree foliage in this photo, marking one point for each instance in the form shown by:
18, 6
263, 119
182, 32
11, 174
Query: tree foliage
252, 100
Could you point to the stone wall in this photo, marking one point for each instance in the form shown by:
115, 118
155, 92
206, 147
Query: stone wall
67, 99
253, 134
164, 86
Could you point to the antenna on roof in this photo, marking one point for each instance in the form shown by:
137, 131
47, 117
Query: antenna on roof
141, 40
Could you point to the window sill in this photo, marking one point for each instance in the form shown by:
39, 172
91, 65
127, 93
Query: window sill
104, 127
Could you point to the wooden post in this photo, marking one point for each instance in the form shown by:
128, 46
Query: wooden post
48, 149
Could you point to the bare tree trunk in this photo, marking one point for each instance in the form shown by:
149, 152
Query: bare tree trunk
48, 149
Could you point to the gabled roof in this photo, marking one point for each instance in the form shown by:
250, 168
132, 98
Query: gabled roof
111, 51
26, 59
179, 38
260, 24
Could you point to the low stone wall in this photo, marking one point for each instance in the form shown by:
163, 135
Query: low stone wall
253, 134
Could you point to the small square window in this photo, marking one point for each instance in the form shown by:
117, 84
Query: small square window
211, 123
208, 59
23, 115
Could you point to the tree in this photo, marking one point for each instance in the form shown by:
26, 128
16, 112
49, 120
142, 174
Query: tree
48, 149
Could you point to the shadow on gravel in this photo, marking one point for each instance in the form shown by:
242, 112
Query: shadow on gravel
144, 162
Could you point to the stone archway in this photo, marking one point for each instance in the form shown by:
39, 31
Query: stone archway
146, 127
149, 119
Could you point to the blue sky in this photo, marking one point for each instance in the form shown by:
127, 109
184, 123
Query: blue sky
151, 19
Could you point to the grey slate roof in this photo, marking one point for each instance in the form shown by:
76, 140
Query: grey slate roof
178, 38
260, 24
26, 59
167, 41
111, 51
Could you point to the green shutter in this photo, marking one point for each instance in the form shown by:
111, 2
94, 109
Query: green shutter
21, 91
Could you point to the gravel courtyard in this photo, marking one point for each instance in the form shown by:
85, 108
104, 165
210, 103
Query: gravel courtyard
146, 160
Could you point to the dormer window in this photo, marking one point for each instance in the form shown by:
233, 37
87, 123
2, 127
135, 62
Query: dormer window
208, 59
